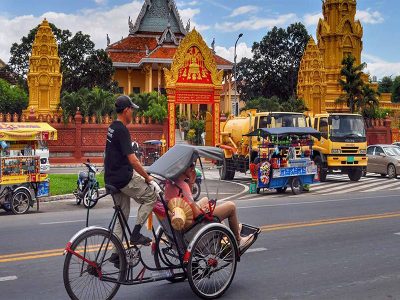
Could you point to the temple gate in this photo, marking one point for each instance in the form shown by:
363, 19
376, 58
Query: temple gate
193, 79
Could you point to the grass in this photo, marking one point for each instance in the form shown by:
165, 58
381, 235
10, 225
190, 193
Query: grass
61, 184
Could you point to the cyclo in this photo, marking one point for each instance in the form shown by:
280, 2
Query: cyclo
21, 180
206, 253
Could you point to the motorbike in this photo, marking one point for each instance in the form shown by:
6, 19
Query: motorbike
87, 187
196, 189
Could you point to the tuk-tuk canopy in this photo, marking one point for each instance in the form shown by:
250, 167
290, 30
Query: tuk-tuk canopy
177, 159
27, 132
285, 131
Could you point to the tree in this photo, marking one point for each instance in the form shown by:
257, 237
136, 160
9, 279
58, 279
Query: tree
81, 65
264, 104
396, 90
385, 85
351, 83
13, 99
273, 70
294, 105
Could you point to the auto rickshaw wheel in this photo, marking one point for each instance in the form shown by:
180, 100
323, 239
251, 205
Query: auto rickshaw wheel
20, 202
296, 186
281, 190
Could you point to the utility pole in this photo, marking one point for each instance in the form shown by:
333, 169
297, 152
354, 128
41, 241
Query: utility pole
236, 112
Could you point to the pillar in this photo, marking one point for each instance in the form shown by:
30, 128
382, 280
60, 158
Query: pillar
171, 123
129, 82
159, 76
148, 78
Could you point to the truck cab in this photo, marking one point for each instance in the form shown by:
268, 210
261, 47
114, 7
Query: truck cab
343, 146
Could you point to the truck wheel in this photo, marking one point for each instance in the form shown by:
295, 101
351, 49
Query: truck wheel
228, 171
355, 174
322, 172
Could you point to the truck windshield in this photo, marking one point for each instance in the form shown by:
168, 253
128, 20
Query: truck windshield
284, 120
347, 128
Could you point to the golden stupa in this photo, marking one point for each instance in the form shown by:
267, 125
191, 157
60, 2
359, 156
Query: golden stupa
44, 76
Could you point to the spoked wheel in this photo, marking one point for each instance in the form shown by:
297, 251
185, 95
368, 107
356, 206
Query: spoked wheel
212, 264
90, 196
92, 279
196, 190
20, 202
296, 186
166, 255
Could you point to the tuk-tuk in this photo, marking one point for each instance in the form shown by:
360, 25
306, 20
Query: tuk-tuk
151, 151
21, 180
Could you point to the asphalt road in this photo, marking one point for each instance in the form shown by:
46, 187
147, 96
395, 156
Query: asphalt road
313, 246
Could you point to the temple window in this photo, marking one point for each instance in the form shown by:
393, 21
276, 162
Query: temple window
120, 90
136, 90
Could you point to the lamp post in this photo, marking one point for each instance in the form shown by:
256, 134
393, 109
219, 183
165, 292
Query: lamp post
234, 67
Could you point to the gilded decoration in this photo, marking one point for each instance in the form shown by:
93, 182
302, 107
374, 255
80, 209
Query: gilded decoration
194, 59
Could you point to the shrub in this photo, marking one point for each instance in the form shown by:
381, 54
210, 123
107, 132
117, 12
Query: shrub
13, 99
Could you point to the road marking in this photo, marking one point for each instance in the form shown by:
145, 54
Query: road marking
256, 250
8, 278
62, 222
346, 188
361, 218
266, 228
246, 189
397, 233
358, 187
382, 187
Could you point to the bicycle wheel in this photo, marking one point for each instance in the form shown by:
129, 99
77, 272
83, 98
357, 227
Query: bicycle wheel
196, 191
166, 255
90, 196
82, 279
212, 264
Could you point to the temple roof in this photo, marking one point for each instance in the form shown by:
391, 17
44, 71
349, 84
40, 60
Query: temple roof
2, 63
155, 16
133, 51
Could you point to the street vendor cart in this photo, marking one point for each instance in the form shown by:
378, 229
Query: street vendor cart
284, 159
21, 182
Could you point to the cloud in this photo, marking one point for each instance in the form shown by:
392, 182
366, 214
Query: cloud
183, 3
100, 2
378, 67
242, 50
256, 23
96, 22
312, 19
370, 17
242, 10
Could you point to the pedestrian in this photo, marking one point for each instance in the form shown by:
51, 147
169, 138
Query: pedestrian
124, 171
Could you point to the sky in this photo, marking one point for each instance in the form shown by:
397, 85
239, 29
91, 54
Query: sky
223, 20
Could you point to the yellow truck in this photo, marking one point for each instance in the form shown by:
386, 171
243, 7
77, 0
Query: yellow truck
343, 146
240, 151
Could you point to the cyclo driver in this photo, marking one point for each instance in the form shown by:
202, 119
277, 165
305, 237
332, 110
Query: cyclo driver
124, 171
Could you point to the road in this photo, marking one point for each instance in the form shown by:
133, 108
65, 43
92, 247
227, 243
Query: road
338, 242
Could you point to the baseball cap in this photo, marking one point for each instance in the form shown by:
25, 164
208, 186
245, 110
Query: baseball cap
123, 102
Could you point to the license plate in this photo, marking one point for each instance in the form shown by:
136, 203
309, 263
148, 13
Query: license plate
350, 159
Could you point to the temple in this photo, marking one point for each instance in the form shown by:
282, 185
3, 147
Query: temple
339, 34
140, 58
44, 76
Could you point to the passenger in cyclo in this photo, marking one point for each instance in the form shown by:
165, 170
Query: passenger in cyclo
124, 171
226, 210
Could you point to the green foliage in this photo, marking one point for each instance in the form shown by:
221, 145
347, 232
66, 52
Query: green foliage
385, 85
274, 104
61, 184
191, 135
376, 113
274, 68
81, 65
157, 112
396, 90
151, 105
13, 99
351, 83
96, 102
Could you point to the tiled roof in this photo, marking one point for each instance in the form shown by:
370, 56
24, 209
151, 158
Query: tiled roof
132, 50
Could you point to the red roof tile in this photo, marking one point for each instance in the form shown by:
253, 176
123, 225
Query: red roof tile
163, 53
134, 43
126, 57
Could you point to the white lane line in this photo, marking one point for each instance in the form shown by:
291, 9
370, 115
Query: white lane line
346, 188
356, 187
246, 189
313, 202
256, 250
62, 222
382, 187
397, 233
8, 278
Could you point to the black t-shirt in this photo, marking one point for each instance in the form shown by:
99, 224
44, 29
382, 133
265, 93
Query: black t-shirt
117, 169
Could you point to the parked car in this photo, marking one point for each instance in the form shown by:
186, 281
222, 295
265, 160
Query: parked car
384, 160
397, 144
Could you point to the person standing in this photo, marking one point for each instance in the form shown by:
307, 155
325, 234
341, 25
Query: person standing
123, 170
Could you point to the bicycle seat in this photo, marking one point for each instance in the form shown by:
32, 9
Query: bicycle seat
112, 189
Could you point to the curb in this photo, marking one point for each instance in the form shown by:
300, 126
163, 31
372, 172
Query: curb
64, 197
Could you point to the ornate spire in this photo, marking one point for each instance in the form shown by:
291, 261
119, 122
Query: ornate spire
154, 18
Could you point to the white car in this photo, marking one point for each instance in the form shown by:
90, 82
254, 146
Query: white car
44, 154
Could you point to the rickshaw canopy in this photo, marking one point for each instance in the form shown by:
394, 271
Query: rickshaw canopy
152, 142
27, 132
177, 159
285, 131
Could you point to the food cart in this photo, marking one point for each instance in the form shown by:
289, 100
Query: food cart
21, 182
284, 159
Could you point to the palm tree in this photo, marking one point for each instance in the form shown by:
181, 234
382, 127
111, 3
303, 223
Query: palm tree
369, 99
351, 82
99, 103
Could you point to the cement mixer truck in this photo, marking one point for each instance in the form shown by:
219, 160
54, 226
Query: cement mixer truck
240, 151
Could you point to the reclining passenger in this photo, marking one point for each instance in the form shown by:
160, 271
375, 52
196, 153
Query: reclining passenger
225, 210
